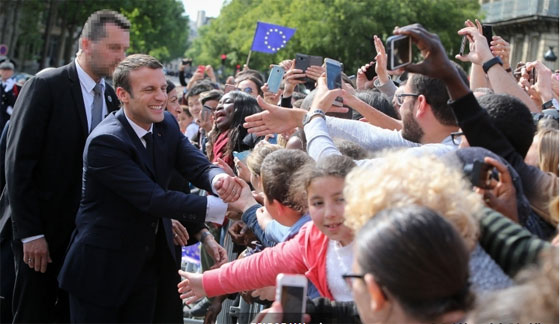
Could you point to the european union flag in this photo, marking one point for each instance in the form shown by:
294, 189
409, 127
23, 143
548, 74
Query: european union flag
271, 38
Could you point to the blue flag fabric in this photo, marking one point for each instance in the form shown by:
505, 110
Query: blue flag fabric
270, 38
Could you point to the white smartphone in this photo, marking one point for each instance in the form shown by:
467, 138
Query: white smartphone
399, 51
291, 291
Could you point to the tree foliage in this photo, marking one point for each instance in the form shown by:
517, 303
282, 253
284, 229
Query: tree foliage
158, 27
340, 29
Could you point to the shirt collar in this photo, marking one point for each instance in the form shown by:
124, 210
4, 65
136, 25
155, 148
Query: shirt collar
87, 82
140, 132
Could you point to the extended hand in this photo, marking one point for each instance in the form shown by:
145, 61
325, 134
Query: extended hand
36, 254
227, 188
215, 251
502, 195
191, 288
273, 119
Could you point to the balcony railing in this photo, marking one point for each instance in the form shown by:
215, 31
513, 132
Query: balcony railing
501, 10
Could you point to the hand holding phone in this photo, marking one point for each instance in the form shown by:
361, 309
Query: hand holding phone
201, 69
303, 61
291, 292
334, 77
370, 72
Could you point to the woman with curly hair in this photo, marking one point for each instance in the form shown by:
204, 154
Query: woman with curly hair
228, 134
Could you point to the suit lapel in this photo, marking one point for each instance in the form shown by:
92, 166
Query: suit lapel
111, 99
146, 160
77, 97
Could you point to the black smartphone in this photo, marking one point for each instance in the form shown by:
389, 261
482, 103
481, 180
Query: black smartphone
480, 174
370, 72
399, 51
187, 61
303, 61
487, 32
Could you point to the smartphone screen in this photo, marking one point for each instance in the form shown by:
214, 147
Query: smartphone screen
463, 46
292, 300
334, 74
400, 51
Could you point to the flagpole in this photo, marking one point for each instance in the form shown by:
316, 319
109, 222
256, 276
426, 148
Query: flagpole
248, 58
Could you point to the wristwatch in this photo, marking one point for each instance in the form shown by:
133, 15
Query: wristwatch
552, 103
309, 116
490, 63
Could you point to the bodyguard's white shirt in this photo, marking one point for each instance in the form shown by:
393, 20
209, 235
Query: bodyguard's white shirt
87, 84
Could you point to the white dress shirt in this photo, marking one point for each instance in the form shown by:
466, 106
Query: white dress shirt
87, 84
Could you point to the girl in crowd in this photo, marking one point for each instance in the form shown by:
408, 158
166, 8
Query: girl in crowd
322, 250
403, 179
228, 134
410, 266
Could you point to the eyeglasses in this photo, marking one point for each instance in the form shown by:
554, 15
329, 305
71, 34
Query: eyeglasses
348, 278
209, 108
456, 137
400, 97
246, 90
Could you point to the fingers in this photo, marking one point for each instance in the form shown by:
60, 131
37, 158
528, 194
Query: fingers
222, 164
505, 177
229, 190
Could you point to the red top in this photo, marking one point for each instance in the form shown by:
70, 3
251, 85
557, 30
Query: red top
305, 253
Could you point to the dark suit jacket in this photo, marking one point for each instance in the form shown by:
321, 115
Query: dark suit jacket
47, 133
123, 199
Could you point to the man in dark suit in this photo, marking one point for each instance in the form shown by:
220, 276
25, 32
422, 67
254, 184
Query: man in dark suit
123, 230
52, 117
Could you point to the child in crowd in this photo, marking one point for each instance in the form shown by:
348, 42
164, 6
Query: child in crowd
322, 250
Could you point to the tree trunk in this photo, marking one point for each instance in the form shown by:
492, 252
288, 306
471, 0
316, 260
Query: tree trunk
47, 36
69, 44
15, 29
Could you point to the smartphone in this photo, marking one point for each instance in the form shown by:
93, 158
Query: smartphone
187, 61
370, 72
334, 77
303, 61
275, 78
532, 76
399, 51
480, 174
463, 45
291, 291
201, 68
487, 32
242, 156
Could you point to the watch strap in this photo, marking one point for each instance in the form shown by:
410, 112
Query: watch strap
490, 63
309, 116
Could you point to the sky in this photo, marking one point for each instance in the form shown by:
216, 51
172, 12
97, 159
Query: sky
212, 7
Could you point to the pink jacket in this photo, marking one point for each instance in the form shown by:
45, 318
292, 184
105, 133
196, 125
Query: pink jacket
305, 253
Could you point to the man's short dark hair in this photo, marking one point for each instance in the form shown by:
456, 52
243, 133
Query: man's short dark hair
132, 63
512, 118
94, 28
436, 95
199, 88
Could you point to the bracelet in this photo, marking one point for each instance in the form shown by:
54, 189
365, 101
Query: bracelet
490, 63
203, 236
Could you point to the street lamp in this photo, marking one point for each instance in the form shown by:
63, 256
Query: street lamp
549, 55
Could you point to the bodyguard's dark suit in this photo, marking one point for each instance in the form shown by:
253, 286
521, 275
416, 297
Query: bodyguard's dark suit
124, 198
46, 138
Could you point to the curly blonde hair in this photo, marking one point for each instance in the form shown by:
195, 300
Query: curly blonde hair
401, 179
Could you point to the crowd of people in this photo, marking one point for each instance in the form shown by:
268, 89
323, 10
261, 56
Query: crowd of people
429, 195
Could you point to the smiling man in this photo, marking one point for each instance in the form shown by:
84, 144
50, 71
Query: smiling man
52, 118
123, 233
